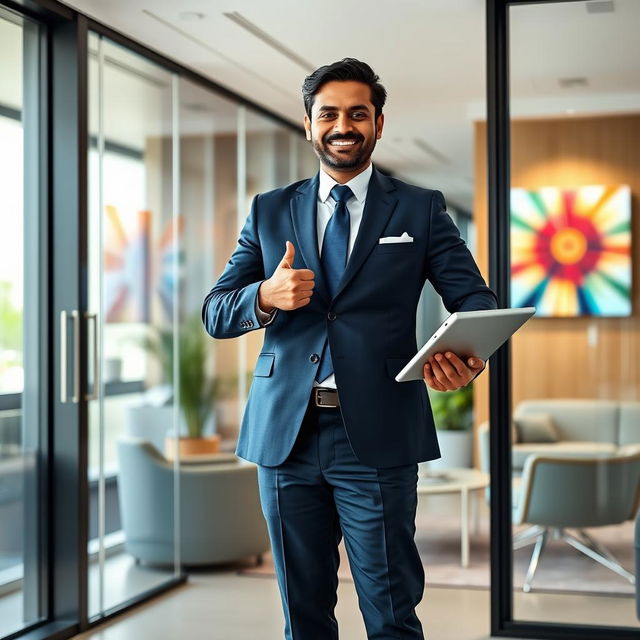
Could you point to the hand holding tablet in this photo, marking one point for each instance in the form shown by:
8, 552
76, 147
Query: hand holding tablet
467, 334
448, 372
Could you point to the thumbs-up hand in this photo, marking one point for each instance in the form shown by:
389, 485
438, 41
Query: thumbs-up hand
287, 288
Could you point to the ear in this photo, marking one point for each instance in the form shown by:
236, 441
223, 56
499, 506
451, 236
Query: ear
307, 127
379, 126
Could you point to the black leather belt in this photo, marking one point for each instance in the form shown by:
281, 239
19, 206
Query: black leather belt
325, 397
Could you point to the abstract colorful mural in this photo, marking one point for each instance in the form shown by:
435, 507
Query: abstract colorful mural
126, 268
130, 269
571, 250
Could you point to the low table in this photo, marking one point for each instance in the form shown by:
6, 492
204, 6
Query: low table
460, 481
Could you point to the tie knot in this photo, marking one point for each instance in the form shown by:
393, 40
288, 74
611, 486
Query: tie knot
341, 193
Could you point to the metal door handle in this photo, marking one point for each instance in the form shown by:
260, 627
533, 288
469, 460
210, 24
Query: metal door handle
64, 317
93, 318
63, 356
75, 317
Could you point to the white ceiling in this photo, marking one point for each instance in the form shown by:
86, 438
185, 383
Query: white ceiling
430, 55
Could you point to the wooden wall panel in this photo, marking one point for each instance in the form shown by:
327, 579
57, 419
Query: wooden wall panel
584, 357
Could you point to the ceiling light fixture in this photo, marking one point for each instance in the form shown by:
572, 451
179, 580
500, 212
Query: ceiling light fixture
191, 16
600, 6
269, 40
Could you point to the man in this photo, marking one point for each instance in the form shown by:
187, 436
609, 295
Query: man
333, 268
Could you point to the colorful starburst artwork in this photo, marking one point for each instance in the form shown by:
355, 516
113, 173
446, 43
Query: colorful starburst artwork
571, 250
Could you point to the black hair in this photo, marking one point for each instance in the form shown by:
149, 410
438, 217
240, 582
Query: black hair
345, 69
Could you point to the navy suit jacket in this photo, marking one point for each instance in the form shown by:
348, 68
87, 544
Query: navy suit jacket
373, 334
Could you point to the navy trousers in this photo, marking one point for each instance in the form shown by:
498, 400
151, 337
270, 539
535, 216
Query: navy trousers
322, 493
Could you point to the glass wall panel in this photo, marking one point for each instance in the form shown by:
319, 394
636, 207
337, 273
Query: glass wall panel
133, 292
268, 165
22, 322
208, 222
575, 167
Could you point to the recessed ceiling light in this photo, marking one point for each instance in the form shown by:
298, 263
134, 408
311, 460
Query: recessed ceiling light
570, 83
191, 16
604, 6
196, 106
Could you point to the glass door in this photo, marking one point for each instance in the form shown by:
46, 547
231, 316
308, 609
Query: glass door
23, 325
574, 166
564, 134
133, 287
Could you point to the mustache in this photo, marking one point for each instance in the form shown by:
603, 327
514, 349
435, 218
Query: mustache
346, 136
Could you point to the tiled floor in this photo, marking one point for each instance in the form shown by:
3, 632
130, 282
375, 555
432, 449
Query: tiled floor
222, 605
229, 607
225, 606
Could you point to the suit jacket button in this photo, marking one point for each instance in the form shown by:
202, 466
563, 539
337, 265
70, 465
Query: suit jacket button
332, 315
314, 357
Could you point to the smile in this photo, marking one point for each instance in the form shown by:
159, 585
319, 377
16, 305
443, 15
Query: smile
343, 143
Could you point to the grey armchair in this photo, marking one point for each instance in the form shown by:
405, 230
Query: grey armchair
576, 492
220, 515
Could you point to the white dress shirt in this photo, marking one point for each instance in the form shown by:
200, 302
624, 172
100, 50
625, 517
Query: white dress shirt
324, 210
326, 204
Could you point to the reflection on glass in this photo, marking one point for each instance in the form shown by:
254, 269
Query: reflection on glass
132, 291
20, 318
575, 132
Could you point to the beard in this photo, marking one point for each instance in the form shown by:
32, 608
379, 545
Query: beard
332, 159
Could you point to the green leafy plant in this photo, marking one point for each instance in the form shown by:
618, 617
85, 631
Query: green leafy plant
199, 390
452, 410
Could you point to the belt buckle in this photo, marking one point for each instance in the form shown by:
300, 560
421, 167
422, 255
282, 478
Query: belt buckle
319, 393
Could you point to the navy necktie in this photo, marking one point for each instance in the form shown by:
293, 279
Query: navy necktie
335, 246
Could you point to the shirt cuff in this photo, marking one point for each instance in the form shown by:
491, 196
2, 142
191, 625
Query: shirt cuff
264, 318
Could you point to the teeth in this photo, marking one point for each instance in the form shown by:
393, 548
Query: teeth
343, 143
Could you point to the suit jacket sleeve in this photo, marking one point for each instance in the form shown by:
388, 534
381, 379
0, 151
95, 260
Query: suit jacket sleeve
450, 266
229, 309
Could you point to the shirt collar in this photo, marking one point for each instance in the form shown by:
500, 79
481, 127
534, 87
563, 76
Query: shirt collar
359, 184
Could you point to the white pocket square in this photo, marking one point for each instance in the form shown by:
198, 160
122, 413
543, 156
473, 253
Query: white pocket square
405, 237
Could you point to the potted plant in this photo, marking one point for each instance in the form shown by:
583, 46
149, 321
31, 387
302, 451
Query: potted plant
453, 416
198, 389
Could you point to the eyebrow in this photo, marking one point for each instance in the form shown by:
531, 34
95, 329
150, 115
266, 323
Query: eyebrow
357, 107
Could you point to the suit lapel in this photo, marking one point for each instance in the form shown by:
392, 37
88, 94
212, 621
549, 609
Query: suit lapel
304, 212
378, 208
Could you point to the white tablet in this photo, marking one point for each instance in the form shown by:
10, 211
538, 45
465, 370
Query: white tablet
468, 333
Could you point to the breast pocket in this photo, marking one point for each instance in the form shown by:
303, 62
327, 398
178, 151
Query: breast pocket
264, 365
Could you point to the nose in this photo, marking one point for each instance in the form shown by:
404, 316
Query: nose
342, 123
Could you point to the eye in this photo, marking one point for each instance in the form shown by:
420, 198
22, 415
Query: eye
359, 115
